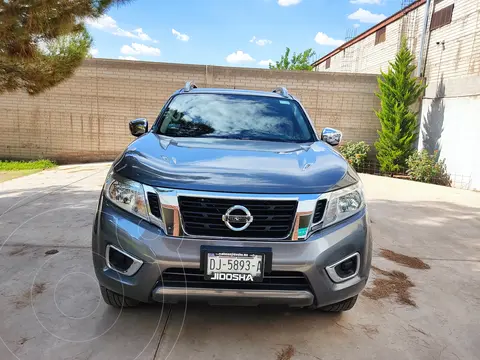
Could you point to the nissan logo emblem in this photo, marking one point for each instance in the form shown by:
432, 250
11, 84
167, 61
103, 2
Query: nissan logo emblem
243, 220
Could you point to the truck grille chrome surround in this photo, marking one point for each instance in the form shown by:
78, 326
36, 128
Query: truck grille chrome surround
201, 214
267, 218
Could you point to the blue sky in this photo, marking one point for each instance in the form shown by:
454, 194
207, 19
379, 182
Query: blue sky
230, 32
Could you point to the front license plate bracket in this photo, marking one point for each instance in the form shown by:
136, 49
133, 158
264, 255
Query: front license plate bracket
249, 252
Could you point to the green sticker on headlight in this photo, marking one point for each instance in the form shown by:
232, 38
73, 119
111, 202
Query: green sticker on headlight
302, 232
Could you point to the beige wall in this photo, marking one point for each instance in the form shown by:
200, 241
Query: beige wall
452, 100
459, 56
452, 70
86, 118
369, 58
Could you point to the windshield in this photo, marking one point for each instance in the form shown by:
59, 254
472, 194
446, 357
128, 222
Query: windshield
244, 117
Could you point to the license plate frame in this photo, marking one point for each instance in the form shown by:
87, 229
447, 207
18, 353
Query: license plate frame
266, 254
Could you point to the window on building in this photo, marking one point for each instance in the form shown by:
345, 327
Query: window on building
327, 63
442, 17
381, 35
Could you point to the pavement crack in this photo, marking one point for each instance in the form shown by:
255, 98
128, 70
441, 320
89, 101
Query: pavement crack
309, 355
164, 330
419, 330
349, 328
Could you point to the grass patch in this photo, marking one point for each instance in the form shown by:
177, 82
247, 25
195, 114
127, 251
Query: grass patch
26, 165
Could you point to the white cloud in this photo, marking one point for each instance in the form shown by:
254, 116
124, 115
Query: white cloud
288, 2
140, 49
323, 39
125, 33
142, 35
108, 24
266, 62
239, 57
260, 42
127, 58
93, 52
372, 2
263, 42
356, 26
180, 36
366, 16
103, 22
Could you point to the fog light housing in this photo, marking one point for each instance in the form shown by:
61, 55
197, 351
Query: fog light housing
121, 262
344, 269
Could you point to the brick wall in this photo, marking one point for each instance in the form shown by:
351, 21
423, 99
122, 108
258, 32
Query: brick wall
86, 118
367, 57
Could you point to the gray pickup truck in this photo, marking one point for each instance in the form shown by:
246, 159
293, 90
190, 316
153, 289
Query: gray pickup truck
232, 198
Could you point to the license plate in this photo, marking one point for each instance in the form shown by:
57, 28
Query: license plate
228, 266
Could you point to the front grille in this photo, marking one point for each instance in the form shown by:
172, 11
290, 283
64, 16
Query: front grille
319, 210
271, 218
154, 203
194, 278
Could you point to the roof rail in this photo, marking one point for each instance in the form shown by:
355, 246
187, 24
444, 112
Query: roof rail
282, 91
189, 85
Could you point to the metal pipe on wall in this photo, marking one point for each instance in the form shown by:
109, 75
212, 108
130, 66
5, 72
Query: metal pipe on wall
422, 41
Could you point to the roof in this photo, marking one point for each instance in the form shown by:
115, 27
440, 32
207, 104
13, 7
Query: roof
233, 91
372, 30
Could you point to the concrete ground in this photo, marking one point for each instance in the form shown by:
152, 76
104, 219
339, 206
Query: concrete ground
12, 174
50, 306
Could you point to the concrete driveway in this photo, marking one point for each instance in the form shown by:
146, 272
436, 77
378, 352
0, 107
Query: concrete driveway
50, 306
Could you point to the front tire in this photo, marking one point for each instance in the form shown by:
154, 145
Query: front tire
341, 306
117, 300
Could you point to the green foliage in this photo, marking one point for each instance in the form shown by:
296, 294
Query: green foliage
399, 90
42, 42
26, 165
296, 62
355, 153
427, 168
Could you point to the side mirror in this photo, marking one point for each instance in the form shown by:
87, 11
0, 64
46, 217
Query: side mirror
331, 136
138, 127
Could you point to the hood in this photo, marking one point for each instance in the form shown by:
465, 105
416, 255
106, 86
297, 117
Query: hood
226, 165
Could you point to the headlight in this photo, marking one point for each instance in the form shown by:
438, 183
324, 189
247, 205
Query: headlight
126, 194
344, 203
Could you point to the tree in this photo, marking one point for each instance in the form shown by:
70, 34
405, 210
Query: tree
42, 42
297, 62
399, 90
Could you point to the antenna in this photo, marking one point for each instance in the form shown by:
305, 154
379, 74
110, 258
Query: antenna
408, 25
406, 3
349, 52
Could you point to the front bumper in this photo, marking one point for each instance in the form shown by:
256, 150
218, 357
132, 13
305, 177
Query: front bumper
297, 298
159, 252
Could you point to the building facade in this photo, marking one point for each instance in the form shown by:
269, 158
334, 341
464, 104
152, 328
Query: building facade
450, 62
